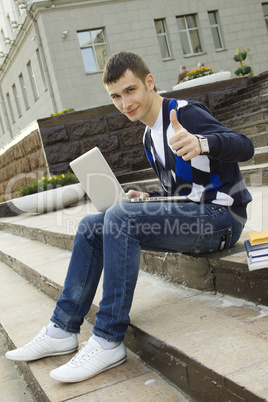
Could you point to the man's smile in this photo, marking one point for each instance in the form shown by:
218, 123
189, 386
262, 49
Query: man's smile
131, 112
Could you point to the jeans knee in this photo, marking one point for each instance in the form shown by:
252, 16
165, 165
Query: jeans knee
90, 224
116, 212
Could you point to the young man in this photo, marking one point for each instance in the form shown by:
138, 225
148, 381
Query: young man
193, 155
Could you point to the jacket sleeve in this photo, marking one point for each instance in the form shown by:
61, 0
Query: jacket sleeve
224, 144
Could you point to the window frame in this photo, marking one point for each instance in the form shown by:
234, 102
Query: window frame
218, 30
187, 30
93, 46
12, 115
1, 125
32, 81
265, 16
17, 100
164, 35
24, 91
38, 55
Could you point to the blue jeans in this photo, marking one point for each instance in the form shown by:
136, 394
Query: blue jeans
113, 242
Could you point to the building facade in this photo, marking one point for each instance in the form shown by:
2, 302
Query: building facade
52, 52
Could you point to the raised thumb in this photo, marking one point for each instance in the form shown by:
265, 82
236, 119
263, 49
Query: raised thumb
174, 119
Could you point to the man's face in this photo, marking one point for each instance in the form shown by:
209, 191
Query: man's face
132, 97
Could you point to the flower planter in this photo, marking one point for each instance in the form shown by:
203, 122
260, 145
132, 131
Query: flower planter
207, 79
50, 200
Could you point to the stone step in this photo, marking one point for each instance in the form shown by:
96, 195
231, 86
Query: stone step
237, 105
13, 386
144, 176
255, 129
227, 269
24, 315
200, 341
254, 174
242, 106
233, 120
251, 91
260, 156
259, 139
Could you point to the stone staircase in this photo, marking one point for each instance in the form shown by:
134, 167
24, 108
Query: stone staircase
189, 335
248, 113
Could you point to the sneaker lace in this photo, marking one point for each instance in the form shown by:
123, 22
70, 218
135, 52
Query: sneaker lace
37, 338
83, 354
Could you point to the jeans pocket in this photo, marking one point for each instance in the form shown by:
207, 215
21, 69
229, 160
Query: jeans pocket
214, 241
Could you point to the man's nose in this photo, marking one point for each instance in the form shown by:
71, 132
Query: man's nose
126, 102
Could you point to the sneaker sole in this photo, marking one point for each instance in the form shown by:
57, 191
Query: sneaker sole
54, 377
24, 359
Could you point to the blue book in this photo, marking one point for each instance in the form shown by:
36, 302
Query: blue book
257, 252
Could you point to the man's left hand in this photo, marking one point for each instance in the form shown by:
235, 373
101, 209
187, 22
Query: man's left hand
137, 194
186, 144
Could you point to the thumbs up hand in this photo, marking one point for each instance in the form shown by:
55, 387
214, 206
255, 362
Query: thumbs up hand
185, 143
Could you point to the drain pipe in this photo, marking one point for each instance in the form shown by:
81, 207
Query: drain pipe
43, 59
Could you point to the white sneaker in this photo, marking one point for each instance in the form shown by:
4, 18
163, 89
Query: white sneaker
89, 361
43, 345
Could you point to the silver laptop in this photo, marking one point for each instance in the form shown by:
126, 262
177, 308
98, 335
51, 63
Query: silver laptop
100, 183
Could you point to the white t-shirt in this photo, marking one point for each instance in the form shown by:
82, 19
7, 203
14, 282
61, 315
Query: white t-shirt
157, 137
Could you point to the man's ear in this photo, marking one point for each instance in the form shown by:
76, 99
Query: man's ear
149, 80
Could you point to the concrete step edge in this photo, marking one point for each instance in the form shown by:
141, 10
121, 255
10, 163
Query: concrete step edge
243, 119
240, 101
257, 110
250, 124
53, 229
204, 272
166, 359
240, 98
65, 242
35, 387
254, 168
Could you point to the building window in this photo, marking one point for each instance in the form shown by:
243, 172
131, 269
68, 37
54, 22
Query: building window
24, 92
265, 12
17, 101
94, 49
161, 32
1, 126
10, 108
32, 80
215, 29
189, 35
41, 68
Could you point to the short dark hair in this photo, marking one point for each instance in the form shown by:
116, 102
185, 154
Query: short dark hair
120, 62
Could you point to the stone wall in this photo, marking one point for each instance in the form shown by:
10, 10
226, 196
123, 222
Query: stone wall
67, 136
20, 164
58, 140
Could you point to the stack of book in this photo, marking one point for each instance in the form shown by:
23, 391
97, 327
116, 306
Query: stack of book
257, 250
